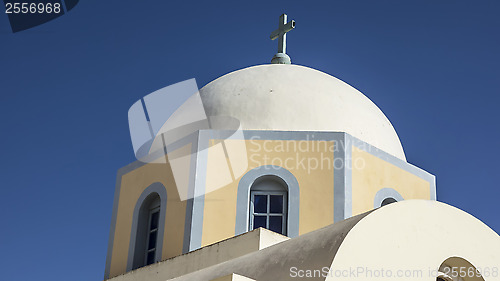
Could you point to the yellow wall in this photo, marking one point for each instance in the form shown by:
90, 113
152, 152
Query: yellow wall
370, 174
310, 161
133, 184
316, 185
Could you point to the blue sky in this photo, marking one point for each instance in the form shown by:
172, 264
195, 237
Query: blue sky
66, 86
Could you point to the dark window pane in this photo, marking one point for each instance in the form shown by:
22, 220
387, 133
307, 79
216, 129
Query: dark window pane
151, 258
276, 204
276, 224
388, 201
154, 220
259, 221
152, 240
260, 204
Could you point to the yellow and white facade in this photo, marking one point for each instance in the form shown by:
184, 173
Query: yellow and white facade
333, 152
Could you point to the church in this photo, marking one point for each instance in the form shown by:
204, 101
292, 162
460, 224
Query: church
282, 172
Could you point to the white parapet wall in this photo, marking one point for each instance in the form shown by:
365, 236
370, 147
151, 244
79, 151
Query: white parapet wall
216, 253
233, 277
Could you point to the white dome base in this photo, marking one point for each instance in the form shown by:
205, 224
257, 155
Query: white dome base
297, 98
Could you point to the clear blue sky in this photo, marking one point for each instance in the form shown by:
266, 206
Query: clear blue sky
66, 86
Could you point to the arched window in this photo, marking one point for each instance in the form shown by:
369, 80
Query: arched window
268, 178
269, 204
458, 269
386, 196
148, 227
146, 243
388, 201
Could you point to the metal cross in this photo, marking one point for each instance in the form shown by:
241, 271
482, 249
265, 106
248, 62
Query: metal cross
283, 28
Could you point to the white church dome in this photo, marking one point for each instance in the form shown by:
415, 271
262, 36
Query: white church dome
287, 97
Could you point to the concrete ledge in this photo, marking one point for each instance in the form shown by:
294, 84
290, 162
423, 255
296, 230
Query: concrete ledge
207, 256
233, 277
